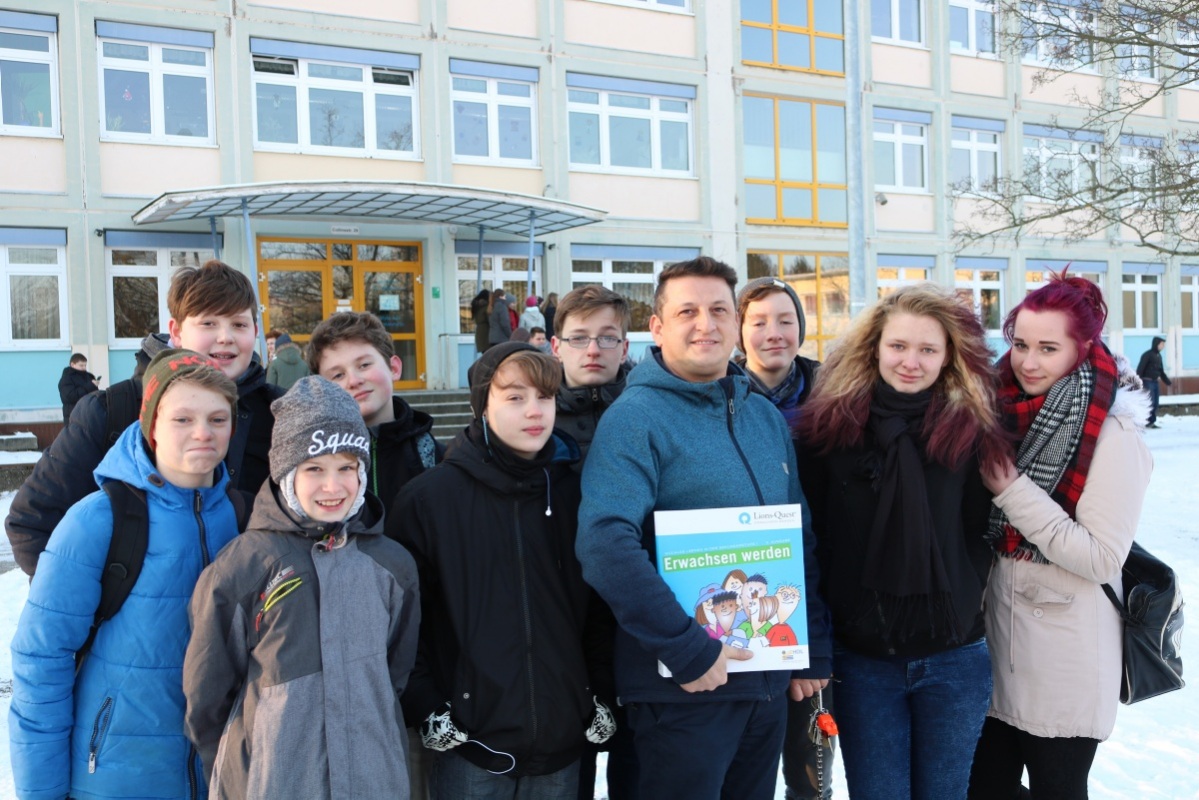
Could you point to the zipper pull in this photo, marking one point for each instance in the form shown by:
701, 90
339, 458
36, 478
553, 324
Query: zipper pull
91, 763
731, 410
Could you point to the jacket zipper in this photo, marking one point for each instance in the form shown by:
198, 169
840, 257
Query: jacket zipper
99, 728
524, 600
737, 445
203, 533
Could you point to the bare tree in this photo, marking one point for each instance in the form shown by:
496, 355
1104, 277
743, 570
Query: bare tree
1104, 168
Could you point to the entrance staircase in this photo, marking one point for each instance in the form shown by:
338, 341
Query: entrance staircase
450, 410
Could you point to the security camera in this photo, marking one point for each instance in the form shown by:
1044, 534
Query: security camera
880, 198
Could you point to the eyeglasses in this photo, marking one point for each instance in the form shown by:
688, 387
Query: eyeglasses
583, 342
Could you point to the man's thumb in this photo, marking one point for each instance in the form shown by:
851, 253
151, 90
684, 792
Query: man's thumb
738, 653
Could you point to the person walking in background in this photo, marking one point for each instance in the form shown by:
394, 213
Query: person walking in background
75, 384
479, 313
549, 307
891, 439
1151, 370
288, 365
1064, 518
501, 327
532, 317
772, 331
272, 338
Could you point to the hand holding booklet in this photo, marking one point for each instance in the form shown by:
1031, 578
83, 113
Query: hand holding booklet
740, 573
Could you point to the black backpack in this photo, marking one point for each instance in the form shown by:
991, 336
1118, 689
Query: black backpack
123, 405
127, 551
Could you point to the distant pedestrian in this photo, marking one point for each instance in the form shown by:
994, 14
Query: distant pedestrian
1151, 370
500, 319
478, 312
532, 316
75, 384
549, 307
288, 365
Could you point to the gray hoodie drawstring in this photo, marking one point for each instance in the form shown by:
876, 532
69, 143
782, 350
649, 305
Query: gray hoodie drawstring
549, 511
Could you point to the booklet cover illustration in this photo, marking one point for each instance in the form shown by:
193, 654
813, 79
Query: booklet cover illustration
739, 572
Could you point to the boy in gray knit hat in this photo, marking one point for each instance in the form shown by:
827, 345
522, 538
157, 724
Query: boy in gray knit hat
305, 627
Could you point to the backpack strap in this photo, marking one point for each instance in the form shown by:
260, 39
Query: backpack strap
123, 403
241, 508
126, 554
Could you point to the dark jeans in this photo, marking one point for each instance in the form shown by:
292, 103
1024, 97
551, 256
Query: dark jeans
713, 750
805, 766
909, 725
1155, 394
1057, 766
455, 778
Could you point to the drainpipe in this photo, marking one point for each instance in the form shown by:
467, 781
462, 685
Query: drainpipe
216, 240
252, 261
854, 157
532, 233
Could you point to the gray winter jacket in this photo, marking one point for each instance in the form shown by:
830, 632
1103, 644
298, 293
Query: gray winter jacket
298, 657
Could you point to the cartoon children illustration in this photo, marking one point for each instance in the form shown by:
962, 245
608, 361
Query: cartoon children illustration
766, 612
704, 612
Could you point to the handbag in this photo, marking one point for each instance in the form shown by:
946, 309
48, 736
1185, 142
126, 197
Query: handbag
1152, 614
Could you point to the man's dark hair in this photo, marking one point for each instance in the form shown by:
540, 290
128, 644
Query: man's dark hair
535, 330
77, 357
702, 267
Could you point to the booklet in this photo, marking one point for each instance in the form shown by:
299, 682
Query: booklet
739, 572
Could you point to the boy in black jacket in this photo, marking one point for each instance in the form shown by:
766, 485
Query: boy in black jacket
509, 664
75, 384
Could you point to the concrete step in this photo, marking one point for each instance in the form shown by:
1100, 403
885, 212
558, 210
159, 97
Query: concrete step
450, 411
18, 442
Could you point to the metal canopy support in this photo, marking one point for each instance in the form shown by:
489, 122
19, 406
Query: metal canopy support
216, 240
479, 264
532, 248
252, 261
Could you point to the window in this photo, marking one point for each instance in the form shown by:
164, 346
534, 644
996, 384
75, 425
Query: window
1139, 161
895, 271
794, 162
1059, 163
805, 35
821, 281
897, 20
630, 271
974, 159
629, 126
972, 26
155, 84
1137, 60
1141, 284
980, 281
33, 296
1190, 297
505, 264
334, 100
139, 275
1051, 33
900, 145
495, 113
28, 74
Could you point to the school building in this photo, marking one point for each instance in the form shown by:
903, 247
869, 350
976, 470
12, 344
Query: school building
361, 154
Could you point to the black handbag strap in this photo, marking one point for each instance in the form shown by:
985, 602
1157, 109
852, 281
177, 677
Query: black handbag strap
1111, 595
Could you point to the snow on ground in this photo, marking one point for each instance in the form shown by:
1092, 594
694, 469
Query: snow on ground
19, 457
1154, 752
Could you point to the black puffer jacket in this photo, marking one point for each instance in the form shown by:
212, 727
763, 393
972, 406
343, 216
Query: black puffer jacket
510, 636
401, 450
73, 386
63, 475
580, 409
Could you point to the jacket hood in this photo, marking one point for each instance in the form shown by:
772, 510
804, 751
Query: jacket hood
129, 460
579, 399
289, 354
271, 514
1156, 341
473, 459
253, 378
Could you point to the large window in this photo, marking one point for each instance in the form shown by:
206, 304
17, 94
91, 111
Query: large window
1190, 298
980, 281
630, 271
155, 84
334, 100
629, 126
505, 264
974, 162
1050, 33
1142, 296
495, 113
972, 26
897, 20
139, 270
33, 299
1060, 163
821, 281
1139, 159
806, 35
900, 149
1138, 61
895, 271
28, 74
794, 162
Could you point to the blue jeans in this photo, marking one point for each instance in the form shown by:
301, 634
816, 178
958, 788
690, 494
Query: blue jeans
1155, 394
909, 725
455, 778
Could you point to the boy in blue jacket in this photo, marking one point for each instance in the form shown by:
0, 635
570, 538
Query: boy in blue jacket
113, 727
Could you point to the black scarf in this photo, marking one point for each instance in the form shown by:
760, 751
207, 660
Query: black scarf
903, 566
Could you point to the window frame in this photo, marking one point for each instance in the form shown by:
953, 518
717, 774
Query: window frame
815, 186
1139, 288
50, 58
369, 90
1189, 295
973, 8
156, 70
895, 35
888, 284
976, 150
1037, 53
976, 285
897, 139
810, 30
161, 271
608, 278
465, 270
1130, 60
492, 100
602, 109
8, 271
1045, 153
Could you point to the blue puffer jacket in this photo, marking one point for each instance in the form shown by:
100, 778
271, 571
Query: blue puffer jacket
116, 730
667, 444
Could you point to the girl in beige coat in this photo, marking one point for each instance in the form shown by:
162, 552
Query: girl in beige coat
1064, 518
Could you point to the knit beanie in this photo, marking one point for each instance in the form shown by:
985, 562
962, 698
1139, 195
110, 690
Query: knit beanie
530, 301
483, 370
316, 417
281, 340
166, 367
757, 283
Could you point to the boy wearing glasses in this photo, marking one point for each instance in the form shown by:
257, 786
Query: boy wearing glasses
591, 340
